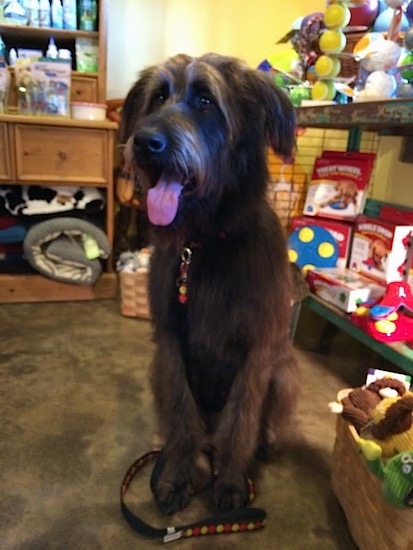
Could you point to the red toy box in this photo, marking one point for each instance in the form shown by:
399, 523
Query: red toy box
381, 247
338, 185
343, 288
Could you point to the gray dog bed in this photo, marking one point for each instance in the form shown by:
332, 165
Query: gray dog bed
67, 249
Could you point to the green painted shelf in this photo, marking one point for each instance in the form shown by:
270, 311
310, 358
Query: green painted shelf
398, 353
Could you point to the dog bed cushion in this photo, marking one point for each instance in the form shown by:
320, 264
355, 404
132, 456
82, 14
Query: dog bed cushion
32, 200
56, 248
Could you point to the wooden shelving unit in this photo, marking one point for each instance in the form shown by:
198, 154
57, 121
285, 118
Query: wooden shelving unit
89, 87
57, 151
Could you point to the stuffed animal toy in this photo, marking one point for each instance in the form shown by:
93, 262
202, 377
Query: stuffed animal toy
357, 407
392, 425
396, 474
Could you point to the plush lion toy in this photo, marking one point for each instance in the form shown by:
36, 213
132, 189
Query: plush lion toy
358, 406
392, 424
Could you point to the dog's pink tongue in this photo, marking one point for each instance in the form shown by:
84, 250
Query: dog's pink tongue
163, 200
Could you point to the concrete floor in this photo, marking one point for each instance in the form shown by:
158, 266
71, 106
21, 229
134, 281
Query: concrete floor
76, 411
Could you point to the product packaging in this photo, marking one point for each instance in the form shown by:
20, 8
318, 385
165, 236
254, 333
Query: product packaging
338, 186
43, 86
343, 288
382, 247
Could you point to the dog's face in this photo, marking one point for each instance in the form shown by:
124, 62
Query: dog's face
378, 253
197, 129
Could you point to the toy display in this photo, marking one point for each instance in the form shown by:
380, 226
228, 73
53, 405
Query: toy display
336, 68
389, 319
332, 42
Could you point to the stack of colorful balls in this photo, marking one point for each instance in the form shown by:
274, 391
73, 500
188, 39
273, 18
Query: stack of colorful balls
331, 43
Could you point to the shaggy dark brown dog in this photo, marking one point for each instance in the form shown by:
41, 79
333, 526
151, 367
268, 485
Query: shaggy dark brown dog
219, 283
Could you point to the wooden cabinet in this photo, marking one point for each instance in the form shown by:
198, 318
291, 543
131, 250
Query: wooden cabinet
58, 151
90, 87
74, 155
5, 156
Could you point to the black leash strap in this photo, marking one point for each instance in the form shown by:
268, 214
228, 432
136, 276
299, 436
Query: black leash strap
236, 521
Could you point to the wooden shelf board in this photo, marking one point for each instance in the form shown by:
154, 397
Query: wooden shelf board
391, 116
23, 288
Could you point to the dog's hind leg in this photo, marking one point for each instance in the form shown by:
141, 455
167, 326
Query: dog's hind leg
180, 425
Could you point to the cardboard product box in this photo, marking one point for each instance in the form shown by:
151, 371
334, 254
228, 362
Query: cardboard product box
307, 252
381, 249
343, 288
338, 186
44, 87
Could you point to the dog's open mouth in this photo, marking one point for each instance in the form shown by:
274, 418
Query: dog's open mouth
163, 198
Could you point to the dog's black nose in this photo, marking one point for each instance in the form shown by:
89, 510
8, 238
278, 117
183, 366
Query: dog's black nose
151, 141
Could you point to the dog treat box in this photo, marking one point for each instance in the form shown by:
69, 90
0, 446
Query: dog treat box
382, 248
338, 187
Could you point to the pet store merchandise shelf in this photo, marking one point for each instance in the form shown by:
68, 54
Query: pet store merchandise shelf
390, 117
90, 87
53, 151
398, 353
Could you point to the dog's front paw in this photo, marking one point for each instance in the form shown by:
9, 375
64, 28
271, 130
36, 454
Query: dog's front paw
231, 494
172, 496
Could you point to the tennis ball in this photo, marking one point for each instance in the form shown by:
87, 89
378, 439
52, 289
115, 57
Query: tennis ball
323, 90
337, 16
332, 41
327, 66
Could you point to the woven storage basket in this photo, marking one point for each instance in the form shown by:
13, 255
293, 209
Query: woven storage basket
374, 524
349, 66
134, 294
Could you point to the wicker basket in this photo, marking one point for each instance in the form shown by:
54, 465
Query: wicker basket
349, 66
134, 294
373, 523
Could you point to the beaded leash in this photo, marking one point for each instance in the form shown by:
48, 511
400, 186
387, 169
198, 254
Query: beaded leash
236, 521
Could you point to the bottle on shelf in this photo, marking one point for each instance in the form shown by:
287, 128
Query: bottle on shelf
51, 49
2, 50
44, 13
33, 18
69, 14
87, 15
57, 14
12, 56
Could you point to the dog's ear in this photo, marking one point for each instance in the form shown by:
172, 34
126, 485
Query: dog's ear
280, 121
130, 111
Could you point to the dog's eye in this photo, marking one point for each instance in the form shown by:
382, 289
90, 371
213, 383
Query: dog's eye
205, 101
